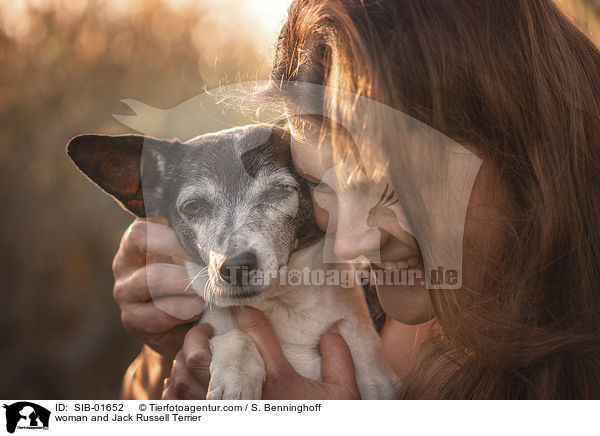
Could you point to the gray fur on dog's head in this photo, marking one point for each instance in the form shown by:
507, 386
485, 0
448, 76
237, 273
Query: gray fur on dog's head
226, 193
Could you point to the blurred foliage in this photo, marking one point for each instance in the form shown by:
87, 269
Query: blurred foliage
64, 68
65, 65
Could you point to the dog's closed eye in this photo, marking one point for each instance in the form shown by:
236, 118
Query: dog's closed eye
195, 207
277, 193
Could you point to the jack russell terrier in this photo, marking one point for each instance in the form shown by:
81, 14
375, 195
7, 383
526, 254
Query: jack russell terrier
241, 211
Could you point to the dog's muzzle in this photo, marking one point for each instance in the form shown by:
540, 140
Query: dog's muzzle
237, 270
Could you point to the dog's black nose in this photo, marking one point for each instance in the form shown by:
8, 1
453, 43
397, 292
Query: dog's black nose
236, 268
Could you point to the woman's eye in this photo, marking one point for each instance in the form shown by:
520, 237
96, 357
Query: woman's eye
321, 187
197, 206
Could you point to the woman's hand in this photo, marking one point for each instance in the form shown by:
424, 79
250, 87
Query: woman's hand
190, 374
150, 286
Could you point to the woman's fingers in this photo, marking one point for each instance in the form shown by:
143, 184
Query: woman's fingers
196, 352
161, 239
256, 325
163, 285
183, 308
283, 382
337, 365
162, 332
182, 384
168, 393
154, 280
167, 343
144, 239
152, 287
147, 319
190, 375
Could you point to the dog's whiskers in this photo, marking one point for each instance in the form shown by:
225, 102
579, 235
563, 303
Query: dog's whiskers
207, 287
199, 274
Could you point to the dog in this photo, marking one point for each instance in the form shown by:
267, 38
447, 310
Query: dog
242, 212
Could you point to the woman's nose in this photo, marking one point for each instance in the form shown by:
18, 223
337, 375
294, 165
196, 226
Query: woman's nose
353, 237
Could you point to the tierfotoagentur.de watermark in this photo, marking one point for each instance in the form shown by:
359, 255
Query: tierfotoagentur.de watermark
345, 278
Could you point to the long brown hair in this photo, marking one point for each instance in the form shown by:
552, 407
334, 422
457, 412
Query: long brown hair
521, 83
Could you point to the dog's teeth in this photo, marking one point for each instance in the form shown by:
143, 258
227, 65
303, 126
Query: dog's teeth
401, 264
413, 261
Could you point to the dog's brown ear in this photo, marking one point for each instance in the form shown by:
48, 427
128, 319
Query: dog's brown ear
127, 167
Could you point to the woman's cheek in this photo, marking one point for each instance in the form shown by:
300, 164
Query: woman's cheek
406, 304
321, 215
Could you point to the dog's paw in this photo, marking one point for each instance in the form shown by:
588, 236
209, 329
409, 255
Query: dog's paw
381, 384
237, 369
233, 384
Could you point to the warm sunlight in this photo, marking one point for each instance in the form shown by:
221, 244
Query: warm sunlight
261, 18
222, 34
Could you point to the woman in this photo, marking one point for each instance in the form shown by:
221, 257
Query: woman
516, 84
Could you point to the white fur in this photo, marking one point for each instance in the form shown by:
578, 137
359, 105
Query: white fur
299, 315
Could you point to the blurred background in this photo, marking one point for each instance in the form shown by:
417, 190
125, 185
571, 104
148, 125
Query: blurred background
64, 67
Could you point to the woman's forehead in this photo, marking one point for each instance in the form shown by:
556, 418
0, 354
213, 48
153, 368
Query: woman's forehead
310, 158
322, 142
317, 158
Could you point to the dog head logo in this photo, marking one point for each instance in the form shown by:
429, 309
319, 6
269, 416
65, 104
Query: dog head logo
26, 415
